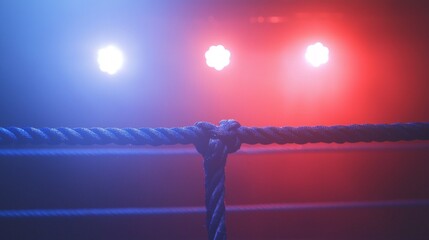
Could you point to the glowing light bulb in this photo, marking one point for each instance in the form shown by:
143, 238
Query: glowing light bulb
218, 57
110, 59
317, 54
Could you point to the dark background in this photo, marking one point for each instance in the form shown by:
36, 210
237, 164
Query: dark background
377, 73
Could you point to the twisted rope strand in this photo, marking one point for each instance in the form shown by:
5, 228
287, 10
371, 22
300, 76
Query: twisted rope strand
214, 168
100, 136
221, 141
194, 134
335, 134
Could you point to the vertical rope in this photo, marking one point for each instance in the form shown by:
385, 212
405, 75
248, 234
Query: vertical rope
215, 148
214, 169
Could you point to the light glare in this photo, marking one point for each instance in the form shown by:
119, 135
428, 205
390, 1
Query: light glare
317, 54
218, 57
110, 59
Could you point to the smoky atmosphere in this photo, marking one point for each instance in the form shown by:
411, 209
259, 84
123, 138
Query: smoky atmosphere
111, 119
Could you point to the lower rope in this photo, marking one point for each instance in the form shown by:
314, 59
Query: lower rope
280, 207
138, 152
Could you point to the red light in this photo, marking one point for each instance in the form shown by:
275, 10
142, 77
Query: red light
218, 57
317, 54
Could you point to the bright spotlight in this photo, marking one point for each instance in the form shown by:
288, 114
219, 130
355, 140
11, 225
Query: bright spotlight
110, 59
218, 57
317, 54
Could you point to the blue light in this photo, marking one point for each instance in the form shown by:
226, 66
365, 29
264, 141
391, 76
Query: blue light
110, 59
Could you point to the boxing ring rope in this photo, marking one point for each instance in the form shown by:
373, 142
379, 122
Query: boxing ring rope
214, 143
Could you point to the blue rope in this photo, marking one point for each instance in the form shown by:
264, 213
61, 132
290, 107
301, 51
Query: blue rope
61, 152
194, 134
215, 149
284, 207
90, 136
215, 143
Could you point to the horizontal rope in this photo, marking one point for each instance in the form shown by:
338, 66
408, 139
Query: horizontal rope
62, 152
335, 134
201, 131
90, 136
284, 207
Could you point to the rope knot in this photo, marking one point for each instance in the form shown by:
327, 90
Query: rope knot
226, 132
